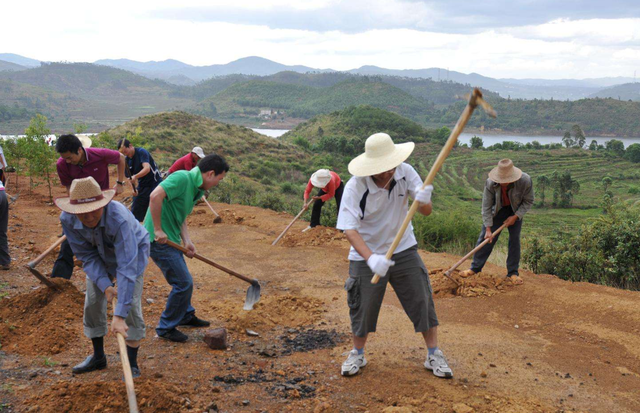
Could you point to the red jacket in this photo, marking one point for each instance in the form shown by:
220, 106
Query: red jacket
185, 163
330, 189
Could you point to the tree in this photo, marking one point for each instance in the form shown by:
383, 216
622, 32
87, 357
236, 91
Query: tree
80, 127
567, 139
594, 145
564, 189
477, 142
543, 183
633, 153
578, 136
615, 146
41, 157
606, 183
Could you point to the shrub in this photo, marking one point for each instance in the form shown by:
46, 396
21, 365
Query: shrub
454, 232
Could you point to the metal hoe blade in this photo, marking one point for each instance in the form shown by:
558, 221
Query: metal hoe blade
253, 296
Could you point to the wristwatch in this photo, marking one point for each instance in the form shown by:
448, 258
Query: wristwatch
120, 182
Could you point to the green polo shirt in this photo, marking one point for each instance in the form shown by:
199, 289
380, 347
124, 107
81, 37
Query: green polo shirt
183, 191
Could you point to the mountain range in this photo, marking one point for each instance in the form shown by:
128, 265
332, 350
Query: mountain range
179, 73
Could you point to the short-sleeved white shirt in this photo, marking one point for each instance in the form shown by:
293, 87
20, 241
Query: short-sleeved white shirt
377, 213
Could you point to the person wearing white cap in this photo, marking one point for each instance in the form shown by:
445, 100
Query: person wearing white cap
507, 197
374, 206
112, 246
187, 162
329, 185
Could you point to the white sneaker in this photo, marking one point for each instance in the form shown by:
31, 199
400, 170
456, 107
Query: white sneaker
438, 364
353, 363
306, 229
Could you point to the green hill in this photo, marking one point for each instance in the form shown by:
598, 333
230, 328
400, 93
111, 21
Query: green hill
627, 91
595, 116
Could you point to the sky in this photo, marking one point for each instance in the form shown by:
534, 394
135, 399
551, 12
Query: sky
550, 39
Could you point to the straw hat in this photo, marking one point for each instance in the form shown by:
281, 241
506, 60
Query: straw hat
320, 178
85, 141
505, 172
380, 155
198, 151
85, 196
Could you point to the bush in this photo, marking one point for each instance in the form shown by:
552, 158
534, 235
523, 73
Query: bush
454, 232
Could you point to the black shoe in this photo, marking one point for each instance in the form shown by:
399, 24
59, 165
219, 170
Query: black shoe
196, 322
90, 364
174, 335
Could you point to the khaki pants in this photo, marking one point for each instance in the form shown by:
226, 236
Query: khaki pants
95, 312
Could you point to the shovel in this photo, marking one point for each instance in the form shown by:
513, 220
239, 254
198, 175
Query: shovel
304, 208
475, 99
217, 219
32, 265
253, 293
126, 367
470, 253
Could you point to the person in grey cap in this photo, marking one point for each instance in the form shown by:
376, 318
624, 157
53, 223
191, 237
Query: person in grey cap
507, 197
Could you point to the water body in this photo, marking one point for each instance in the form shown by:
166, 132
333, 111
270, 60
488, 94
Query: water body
492, 139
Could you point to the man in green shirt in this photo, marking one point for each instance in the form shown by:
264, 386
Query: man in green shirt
170, 205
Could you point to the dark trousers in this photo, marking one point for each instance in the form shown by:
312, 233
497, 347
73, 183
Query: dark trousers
141, 203
5, 259
63, 267
317, 205
513, 258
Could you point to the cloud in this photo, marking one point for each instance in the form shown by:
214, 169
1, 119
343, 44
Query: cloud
356, 16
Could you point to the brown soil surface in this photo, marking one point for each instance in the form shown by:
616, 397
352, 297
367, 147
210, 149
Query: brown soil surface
90, 397
545, 346
41, 322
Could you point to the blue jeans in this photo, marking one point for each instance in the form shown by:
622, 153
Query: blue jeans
171, 263
513, 258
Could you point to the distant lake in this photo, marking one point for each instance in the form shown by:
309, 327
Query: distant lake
492, 139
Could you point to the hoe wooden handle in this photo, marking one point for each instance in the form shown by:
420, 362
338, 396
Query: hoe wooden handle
473, 251
126, 367
474, 100
304, 208
210, 207
40, 257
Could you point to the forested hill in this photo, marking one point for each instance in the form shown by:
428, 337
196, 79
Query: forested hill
627, 91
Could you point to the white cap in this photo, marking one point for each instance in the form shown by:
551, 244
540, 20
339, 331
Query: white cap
320, 178
198, 151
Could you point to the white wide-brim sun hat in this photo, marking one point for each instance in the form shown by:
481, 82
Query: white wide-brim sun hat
85, 141
380, 155
321, 178
505, 172
85, 196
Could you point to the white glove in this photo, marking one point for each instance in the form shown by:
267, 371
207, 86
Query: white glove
424, 195
379, 264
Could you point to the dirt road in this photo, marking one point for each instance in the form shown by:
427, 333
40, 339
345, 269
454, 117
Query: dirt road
546, 346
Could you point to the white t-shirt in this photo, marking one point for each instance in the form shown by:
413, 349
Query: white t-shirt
377, 213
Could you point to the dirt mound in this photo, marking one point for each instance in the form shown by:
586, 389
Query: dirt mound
107, 397
315, 236
285, 310
43, 321
477, 285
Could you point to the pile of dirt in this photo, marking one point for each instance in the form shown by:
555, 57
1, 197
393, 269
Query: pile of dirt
44, 321
272, 311
315, 236
107, 397
477, 285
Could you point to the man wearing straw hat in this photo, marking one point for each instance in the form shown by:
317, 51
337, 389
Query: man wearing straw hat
112, 245
374, 206
171, 203
507, 197
79, 160
329, 185
187, 162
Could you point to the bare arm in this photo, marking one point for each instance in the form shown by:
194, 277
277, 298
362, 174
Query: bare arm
155, 205
355, 239
146, 168
122, 164
186, 240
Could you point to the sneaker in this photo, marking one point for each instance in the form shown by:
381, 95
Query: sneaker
438, 365
196, 322
174, 335
306, 229
467, 273
353, 363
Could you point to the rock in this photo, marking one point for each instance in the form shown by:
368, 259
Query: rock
462, 408
150, 300
252, 333
216, 338
245, 402
483, 374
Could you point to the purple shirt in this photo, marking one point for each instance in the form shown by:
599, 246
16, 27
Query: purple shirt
96, 166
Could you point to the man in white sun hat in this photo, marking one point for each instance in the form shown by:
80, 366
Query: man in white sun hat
329, 185
189, 161
507, 197
112, 246
374, 205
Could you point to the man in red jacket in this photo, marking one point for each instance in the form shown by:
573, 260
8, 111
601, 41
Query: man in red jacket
330, 185
189, 161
